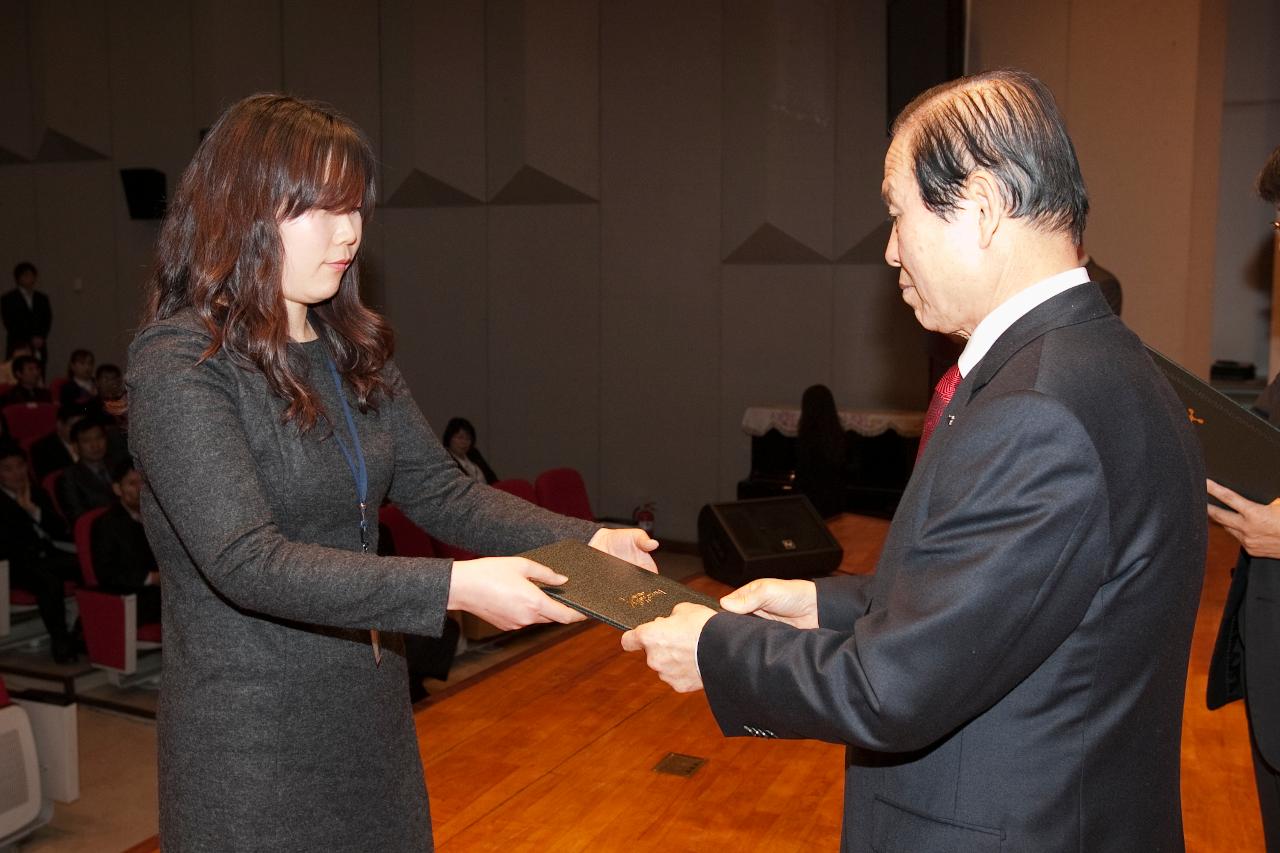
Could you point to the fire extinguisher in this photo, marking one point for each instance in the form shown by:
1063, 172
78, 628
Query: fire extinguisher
643, 517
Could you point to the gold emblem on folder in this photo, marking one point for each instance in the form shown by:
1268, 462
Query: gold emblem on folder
1191, 416
641, 599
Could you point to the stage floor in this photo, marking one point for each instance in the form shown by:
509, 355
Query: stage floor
556, 749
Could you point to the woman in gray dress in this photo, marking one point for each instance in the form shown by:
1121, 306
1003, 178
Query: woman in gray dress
269, 423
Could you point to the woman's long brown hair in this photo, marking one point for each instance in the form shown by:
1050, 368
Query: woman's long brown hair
270, 158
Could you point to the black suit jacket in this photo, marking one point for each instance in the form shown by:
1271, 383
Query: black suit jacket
1011, 677
22, 323
80, 490
122, 557
49, 454
19, 541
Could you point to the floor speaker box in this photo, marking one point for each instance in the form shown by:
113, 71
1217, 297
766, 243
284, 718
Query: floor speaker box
766, 538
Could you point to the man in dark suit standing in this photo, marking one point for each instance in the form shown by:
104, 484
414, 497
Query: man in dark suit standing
26, 313
122, 557
1012, 675
1246, 656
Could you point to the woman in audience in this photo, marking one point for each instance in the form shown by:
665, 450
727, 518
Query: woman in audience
460, 440
79, 389
820, 451
269, 423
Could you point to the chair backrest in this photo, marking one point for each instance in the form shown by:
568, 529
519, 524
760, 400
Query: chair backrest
83, 535
55, 388
409, 539
50, 485
562, 490
30, 419
519, 488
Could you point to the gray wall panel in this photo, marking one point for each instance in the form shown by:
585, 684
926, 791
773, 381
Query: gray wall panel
544, 339
660, 287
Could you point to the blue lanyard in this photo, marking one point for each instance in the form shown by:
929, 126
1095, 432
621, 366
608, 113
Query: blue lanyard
359, 472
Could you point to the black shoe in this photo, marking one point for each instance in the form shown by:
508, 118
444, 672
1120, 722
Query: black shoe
64, 651
416, 691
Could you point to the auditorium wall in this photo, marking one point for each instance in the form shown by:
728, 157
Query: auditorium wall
606, 227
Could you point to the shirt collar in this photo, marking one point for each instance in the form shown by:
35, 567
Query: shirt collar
1012, 310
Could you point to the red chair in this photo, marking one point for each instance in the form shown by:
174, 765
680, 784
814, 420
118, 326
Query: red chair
110, 621
519, 488
30, 419
50, 485
409, 539
562, 490
55, 388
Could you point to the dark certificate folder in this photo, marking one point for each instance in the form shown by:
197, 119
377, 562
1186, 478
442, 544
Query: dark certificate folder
609, 589
1241, 450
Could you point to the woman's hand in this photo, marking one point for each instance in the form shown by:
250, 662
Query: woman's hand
631, 544
500, 590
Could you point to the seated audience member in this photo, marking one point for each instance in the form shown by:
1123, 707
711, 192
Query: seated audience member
79, 389
122, 558
29, 379
56, 450
460, 440
111, 393
6, 367
820, 451
36, 542
87, 483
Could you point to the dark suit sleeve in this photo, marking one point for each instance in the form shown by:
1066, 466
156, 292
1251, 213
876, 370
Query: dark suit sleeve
43, 315
842, 600
1002, 571
113, 561
71, 496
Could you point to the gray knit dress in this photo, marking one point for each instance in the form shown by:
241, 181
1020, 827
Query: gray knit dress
276, 729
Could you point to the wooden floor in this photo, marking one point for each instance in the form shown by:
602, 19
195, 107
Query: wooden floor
556, 752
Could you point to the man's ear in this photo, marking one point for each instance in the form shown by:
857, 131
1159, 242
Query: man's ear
982, 191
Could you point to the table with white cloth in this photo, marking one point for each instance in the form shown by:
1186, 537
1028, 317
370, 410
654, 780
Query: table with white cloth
880, 448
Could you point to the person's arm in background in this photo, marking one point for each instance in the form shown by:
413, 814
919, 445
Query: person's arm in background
1255, 526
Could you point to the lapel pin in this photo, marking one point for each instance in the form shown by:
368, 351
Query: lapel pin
951, 419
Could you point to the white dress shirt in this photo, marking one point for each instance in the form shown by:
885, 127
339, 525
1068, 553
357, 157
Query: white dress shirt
1011, 311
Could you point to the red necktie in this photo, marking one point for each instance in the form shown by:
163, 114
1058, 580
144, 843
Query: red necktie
942, 394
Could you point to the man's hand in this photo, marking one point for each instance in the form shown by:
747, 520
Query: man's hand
500, 590
793, 602
1255, 526
670, 645
631, 544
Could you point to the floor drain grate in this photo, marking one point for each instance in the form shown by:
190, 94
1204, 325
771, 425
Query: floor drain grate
676, 764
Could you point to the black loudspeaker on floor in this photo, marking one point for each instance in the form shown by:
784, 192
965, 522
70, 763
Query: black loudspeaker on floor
766, 538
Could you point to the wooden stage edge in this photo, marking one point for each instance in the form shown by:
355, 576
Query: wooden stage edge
556, 750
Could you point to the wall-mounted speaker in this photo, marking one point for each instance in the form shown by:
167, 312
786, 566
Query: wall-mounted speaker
766, 538
144, 192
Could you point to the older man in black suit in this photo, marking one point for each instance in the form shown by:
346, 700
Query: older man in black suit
1011, 677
